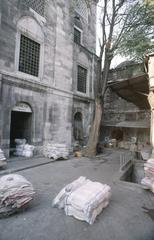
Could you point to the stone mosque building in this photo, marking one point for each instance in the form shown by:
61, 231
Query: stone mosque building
47, 71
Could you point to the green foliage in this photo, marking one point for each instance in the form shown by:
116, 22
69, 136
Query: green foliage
139, 32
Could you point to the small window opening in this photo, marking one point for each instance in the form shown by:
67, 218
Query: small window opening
77, 36
29, 56
81, 79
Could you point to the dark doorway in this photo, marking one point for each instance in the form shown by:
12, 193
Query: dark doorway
20, 127
117, 134
78, 128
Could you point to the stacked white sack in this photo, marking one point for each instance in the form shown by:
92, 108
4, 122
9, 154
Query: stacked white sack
2, 159
148, 180
20, 143
83, 199
149, 168
148, 183
15, 193
23, 149
28, 150
56, 151
59, 200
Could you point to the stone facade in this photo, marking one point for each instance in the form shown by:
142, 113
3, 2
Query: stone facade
122, 119
149, 62
52, 96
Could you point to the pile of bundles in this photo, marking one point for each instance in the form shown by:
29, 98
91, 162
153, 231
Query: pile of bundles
2, 159
83, 199
56, 151
15, 193
148, 180
23, 149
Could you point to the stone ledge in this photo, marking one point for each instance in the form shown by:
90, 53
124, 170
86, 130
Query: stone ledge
12, 79
83, 98
17, 81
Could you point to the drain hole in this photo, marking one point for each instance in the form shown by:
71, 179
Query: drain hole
133, 173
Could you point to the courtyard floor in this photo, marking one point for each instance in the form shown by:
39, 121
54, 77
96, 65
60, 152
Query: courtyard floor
124, 219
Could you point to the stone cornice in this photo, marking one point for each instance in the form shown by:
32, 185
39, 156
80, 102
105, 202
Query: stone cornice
83, 98
33, 85
30, 84
12, 79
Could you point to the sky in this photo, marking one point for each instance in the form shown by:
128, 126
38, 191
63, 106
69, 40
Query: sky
117, 59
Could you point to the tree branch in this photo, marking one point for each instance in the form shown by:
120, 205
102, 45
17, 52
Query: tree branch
119, 5
120, 35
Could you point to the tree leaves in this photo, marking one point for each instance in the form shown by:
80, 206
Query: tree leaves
139, 31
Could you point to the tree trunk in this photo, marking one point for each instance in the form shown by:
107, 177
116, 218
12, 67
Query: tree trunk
90, 149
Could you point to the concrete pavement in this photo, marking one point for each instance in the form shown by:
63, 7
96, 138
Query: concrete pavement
124, 219
16, 164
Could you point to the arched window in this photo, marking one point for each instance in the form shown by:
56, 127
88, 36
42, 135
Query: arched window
22, 107
29, 48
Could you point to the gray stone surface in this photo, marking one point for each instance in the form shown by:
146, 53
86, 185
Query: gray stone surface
123, 219
53, 97
118, 110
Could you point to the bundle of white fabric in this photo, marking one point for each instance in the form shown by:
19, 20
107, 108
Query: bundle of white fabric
149, 168
23, 149
2, 159
148, 180
56, 151
28, 150
15, 193
83, 199
20, 143
148, 183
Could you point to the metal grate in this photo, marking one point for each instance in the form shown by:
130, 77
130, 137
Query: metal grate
37, 5
29, 56
82, 9
81, 79
77, 36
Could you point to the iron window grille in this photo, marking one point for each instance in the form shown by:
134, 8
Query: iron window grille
82, 9
77, 36
37, 5
29, 56
81, 79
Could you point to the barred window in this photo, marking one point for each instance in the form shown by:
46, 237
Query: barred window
77, 36
29, 56
37, 5
82, 9
81, 79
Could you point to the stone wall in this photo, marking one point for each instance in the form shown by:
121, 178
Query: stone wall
34, 96
123, 117
86, 108
126, 71
52, 95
